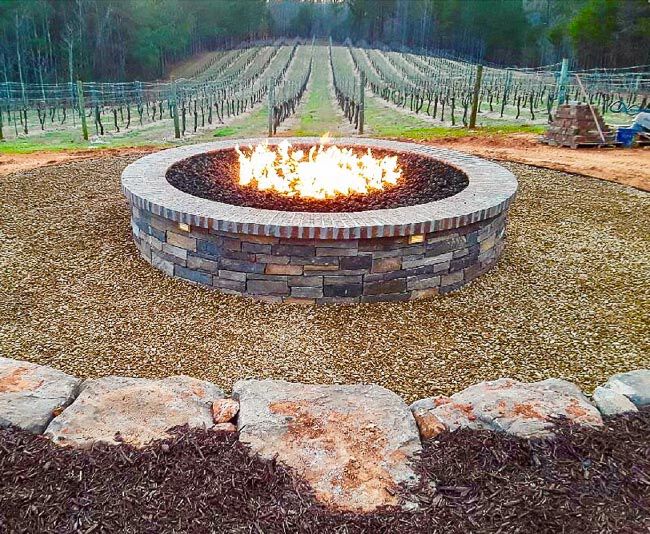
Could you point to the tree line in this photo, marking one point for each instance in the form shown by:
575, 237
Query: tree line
55, 41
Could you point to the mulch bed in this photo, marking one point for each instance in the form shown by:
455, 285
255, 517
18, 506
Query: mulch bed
586, 480
215, 176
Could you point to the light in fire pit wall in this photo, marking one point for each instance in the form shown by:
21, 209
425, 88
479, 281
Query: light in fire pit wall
322, 172
301, 221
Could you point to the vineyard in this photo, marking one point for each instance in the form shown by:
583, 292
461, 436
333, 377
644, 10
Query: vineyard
272, 78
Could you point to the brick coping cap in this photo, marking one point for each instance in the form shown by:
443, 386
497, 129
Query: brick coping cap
490, 191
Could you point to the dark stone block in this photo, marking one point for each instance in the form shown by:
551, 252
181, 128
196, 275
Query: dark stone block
293, 250
203, 264
313, 260
256, 248
472, 239
307, 292
379, 277
195, 276
356, 262
306, 281
382, 243
231, 244
384, 265
460, 263
448, 245
347, 290
267, 287
343, 280
271, 277
315, 271
404, 273
208, 248
388, 286
237, 255
232, 285
241, 266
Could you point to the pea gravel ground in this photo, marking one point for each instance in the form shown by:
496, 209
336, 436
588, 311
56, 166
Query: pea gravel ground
570, 297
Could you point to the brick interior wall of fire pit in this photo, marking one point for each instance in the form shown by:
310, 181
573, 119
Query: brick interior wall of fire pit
383, 255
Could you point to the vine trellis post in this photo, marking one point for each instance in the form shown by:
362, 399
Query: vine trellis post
477, 90
177, 127
82, 112
271, 106
563, 82
362, 87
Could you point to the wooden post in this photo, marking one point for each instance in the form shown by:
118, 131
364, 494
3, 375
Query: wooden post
562, 83
362, 86
271, 106
82, 113
177, 126
1, 134
477, 90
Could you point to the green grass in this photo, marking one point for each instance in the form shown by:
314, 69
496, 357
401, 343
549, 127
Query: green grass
226, 131
433, 132
318, 114
253, 124
70, 140
385, 121
29, 146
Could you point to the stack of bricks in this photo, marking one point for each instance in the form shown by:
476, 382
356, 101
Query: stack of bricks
574, 125
310, 271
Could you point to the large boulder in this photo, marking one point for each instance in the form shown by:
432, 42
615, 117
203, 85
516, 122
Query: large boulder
527, 410
635, 385
133, 410
30, 394
609, 402
353, 444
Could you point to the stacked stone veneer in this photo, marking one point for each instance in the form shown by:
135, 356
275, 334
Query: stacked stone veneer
320, 270
381, 255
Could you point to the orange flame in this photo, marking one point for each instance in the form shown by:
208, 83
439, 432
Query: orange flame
321, 173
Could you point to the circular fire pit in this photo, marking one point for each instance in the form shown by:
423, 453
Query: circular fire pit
440, 226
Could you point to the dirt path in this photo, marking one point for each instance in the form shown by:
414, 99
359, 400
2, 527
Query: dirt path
624, 166
10, 163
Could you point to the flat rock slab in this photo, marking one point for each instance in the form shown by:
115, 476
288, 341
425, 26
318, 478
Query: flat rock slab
31, 395
352, 444
522, 409
635, 385
133, 410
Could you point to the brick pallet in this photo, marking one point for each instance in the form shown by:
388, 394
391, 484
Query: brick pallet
574, 126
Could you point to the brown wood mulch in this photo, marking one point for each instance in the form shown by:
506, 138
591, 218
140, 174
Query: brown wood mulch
587, 480
215, 176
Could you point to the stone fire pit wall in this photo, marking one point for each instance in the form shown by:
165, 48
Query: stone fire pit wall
381, 255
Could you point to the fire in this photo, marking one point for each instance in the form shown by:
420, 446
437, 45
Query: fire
324, 172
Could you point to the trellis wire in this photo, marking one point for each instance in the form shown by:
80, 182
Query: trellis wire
231, 82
